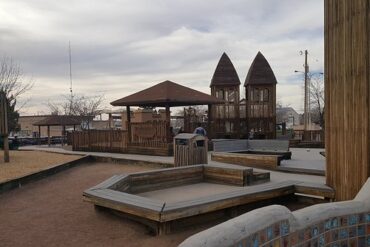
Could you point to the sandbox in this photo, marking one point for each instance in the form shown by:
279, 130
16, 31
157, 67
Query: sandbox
161, 199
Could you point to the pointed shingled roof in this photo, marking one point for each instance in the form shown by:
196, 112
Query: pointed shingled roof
167, 93
260, 72
225, 73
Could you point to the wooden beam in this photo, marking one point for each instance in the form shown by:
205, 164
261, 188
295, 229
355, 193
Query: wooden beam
128, 115
168, 123
210, 119
48, 135
347, 94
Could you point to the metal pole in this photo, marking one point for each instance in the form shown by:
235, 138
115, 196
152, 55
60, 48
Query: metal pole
306, 92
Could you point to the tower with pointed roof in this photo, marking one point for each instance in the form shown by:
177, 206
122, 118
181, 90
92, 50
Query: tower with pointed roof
260, 93
225, 85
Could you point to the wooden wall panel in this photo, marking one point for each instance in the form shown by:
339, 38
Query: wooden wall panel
347, 95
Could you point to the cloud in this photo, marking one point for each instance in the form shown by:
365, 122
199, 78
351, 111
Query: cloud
120, 47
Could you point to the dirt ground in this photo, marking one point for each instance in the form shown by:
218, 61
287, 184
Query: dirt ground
51, 212
25, 162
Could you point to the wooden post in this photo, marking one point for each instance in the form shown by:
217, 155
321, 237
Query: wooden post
39, 141
347, 96
128, 115
210, 120
4, 125
168, 124
49, 135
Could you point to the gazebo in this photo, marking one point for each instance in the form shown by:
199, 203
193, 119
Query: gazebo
166, 94
58, 120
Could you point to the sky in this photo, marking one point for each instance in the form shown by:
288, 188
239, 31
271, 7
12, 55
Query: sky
120, 47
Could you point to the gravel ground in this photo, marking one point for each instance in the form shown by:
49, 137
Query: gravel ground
25, 162
51, 212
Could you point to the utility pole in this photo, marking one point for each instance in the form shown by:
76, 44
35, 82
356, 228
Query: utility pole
306, 93
70, 77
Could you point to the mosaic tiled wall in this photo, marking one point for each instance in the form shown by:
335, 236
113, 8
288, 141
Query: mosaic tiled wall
343, 231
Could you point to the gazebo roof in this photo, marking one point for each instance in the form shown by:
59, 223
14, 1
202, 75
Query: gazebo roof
260, 72
59, 120
225, 73
167, 93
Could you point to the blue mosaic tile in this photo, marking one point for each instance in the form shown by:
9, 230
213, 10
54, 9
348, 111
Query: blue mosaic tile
352, 242
284, 228
334, 235
344, 243
269, 233
343, 221
361, 242
343, 233
321, 241
335, 244
352, 232
321, 227
334, 223
314, 242
361, 218
255, 242
315, 231
353, 220
368, 218
361, 230
276, 230
327, 225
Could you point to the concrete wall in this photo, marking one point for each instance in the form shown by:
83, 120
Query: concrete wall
331, 224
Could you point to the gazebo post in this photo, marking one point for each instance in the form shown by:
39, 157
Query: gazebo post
168, 124
39, 135
128, 114
209, 121
49, 135
63, 134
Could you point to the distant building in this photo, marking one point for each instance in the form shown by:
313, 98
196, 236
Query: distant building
288, 116
28, 129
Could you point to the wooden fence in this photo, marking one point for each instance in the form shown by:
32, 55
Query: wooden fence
146, 138
99, 140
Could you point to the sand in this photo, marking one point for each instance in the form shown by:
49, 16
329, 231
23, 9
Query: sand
51, 212
26, 162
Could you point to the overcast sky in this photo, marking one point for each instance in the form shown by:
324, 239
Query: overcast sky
121, 47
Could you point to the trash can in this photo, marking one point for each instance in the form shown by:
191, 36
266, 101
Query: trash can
190, 149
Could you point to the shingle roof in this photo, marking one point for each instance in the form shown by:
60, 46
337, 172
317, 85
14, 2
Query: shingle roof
167, 93
260, 72
225, 73
59, 120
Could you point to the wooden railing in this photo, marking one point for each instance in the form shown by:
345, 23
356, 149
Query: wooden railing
144, 136
99, 140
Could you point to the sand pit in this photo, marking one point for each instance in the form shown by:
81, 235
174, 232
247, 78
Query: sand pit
26, 162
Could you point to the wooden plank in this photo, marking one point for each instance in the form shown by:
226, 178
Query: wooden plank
251, 160
203, 205
315, 189
125, 202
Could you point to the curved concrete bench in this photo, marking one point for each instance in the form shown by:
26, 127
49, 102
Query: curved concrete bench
331, 224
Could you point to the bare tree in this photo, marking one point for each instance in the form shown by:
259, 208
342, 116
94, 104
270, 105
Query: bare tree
317, 99
12, 84
86, 107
